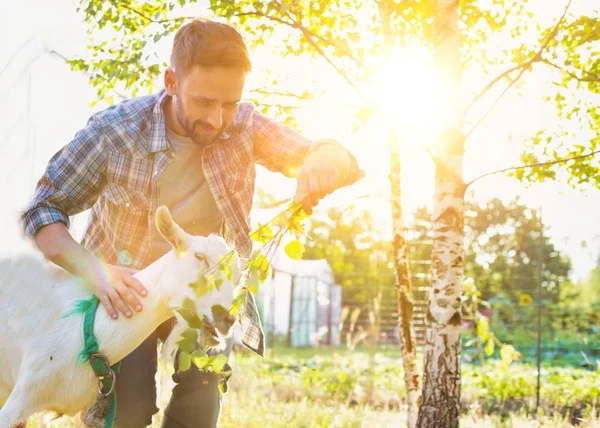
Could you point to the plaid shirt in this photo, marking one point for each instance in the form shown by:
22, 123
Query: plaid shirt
112, 165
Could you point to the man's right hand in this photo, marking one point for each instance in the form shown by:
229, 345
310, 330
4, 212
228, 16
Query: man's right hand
115, 287
112, 284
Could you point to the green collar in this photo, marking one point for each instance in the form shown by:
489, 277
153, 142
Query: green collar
90, 353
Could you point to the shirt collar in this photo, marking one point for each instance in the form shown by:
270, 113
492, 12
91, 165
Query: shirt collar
158, 138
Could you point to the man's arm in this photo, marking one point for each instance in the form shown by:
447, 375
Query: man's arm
320, 167
71, 183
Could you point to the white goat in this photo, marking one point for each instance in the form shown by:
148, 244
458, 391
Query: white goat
39, 370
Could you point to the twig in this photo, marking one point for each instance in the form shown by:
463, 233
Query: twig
534, 165
523, 67
157, 21
298, 26
496, 80
593, 77
277, 105
282, 94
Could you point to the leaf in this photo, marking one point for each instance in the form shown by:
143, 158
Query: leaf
260, 266
507, 354
188, 340
483, 329
294, 249
200, 360
217, 363
189, 305
253, 282
192, 319
184, 361
238, 302
228, 271
201, 287
489, 346
263, 234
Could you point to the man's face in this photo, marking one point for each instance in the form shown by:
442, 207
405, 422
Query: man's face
206, 100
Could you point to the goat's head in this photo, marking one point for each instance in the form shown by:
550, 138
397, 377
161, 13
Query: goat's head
191, 258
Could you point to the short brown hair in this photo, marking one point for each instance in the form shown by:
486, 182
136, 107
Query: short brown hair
209, 44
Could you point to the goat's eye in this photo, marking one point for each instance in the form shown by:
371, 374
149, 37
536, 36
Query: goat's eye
201, 257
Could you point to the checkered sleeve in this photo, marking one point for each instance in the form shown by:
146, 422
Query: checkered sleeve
71, 183
277, 147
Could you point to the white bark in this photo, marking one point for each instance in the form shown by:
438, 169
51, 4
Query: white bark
441, 388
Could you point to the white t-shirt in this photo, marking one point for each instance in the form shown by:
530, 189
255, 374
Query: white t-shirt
183, 189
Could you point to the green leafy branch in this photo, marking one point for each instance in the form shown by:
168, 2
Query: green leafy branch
258, 266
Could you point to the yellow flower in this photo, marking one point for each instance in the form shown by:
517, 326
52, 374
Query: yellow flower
525, 299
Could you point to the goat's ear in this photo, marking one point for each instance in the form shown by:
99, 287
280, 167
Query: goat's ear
171, 230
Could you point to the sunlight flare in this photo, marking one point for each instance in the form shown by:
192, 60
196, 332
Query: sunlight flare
409, 92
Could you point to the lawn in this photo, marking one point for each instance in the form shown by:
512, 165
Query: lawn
337, 388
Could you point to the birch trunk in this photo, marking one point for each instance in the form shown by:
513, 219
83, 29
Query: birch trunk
408, 347
440, 404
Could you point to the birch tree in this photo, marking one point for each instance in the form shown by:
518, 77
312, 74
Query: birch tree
441, 388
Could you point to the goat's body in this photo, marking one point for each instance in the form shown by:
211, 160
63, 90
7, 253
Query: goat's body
38, 344
41, 339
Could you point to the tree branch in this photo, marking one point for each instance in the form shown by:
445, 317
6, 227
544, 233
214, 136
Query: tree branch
157, 21
523, 67
496, 80
281, 94
593, 77
298, 26
278, 105
534, 165
341, 72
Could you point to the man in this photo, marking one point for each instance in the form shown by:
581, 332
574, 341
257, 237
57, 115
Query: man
193, 147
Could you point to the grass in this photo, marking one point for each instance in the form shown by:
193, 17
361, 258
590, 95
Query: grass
336, 388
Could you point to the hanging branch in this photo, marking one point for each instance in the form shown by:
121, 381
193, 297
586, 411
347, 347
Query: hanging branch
523, 67
298, 26
263, 91
534, 165
149, 19
592, 76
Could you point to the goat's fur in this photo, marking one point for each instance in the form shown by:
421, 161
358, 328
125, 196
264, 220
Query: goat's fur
39, 370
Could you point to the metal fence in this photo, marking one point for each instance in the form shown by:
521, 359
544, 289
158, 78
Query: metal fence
364, 309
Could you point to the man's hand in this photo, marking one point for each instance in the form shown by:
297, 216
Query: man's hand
114, 286
326, 169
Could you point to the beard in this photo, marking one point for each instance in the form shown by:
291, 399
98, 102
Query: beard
200, 132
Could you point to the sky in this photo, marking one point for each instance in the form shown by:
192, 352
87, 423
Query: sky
43, 104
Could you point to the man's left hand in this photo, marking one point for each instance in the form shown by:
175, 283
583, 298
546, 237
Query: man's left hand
326, 169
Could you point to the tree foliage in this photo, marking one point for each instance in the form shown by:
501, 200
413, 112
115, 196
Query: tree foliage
349, 35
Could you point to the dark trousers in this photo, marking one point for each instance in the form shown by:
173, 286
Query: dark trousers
195, 399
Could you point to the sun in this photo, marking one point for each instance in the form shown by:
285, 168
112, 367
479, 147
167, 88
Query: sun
409, 92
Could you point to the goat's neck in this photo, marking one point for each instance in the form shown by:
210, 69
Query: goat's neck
118, 338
